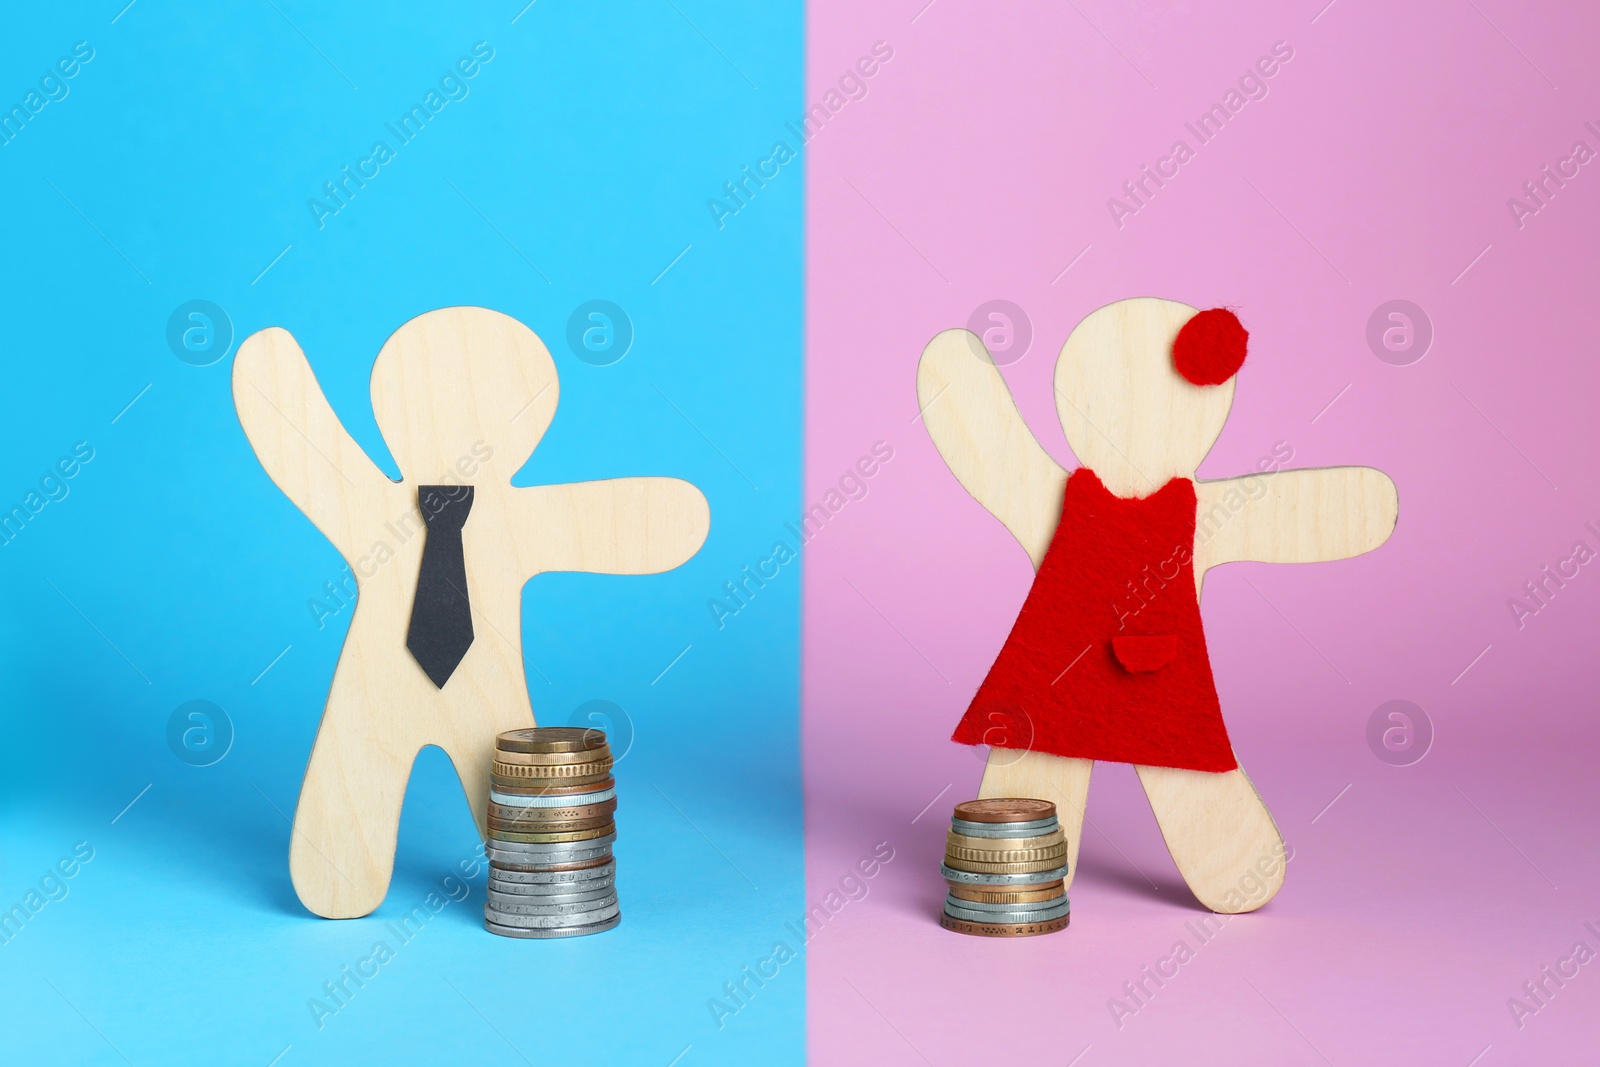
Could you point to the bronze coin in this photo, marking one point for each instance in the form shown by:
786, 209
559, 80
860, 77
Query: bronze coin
963, 926
1001, 894
1005, 809
501, 827
551, 787
520, 813
508, 813
551, 739
572, 837
548, 826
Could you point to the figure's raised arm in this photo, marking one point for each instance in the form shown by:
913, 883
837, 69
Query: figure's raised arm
615, 526
975, 424
303, 446
1295, 516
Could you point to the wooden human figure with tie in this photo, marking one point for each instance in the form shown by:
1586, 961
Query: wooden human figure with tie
434, 653
1107, 658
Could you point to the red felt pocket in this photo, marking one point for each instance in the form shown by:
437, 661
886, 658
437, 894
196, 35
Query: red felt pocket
1141, 655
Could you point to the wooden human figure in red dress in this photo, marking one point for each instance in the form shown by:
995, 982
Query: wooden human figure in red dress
1107, 659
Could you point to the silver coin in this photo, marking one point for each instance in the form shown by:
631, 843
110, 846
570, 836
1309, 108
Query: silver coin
569, 800
552, 932
576, 907
1034, 828
518, 893
1028, 878
502, 899
515, 862
500, 896
537, 904
592, 844
516, 858
1023, 905
523, 865
522, 857
1017, 919
539, 860
500, 909
1008, 918
548, 859
587, 885
552, 879
508, 859
546, 922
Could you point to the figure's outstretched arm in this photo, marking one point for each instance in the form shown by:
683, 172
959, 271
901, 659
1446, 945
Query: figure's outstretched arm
615, 526
304, 447
975, 424
1295, 516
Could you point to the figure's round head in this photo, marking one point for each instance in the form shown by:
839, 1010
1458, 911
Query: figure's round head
460, 391
1143, 388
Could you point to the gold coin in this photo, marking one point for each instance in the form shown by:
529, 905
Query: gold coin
551, 787
557, 784
963, 926
960, 858
551, 739
1057, 853
981, 867
1004, 844
1005, 809
1004, 895
1054, 854
568, 770
570, 835
553, 759
513, 769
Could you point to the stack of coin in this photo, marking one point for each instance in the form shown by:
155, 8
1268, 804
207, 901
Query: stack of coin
551, 805
1005, 861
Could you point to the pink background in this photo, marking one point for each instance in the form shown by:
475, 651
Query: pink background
978, 166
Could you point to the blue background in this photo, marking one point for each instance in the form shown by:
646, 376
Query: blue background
177, 168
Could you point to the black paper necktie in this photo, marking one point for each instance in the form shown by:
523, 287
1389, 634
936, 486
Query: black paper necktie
441, 616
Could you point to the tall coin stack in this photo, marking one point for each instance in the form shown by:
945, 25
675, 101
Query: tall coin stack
551, 806
1005, 861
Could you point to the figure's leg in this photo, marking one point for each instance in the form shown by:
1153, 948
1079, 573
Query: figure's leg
1065, 782
341, 854
472, 752
473, 763
1220, 835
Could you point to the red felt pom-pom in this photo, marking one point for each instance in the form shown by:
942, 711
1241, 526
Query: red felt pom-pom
1210, 348
1141, 655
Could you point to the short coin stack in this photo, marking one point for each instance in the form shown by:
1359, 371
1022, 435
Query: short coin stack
551, 805
1005, 861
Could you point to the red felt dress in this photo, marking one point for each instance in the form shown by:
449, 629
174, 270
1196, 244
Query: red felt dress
1107, 659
